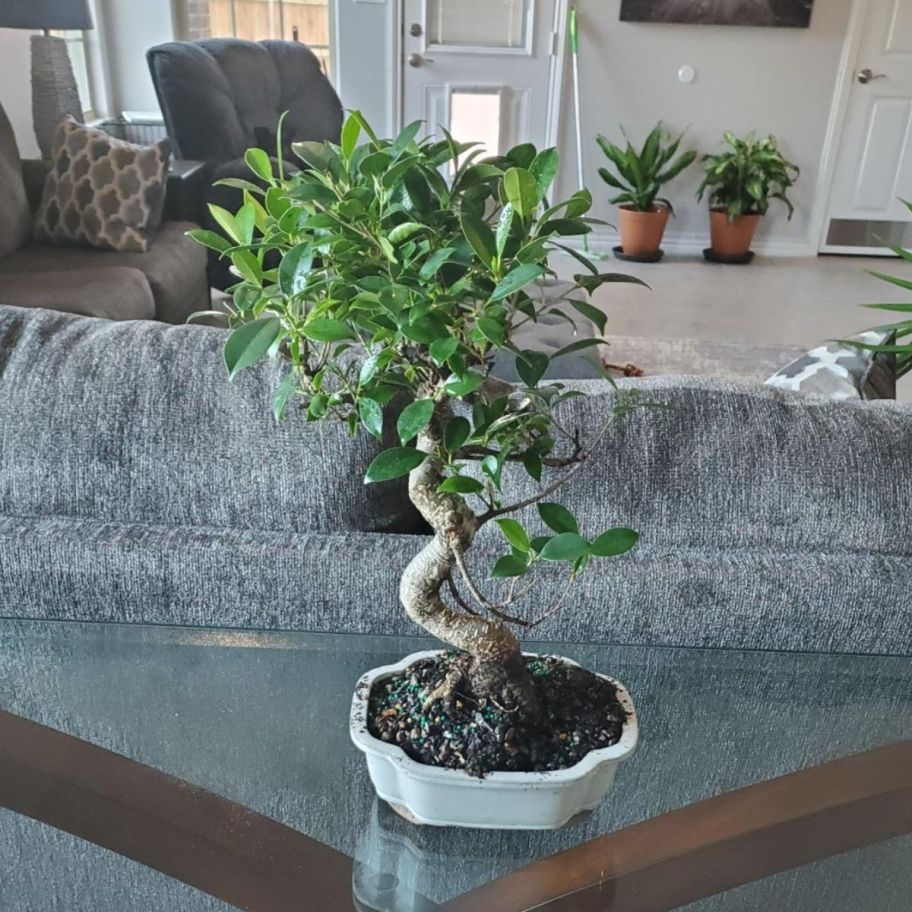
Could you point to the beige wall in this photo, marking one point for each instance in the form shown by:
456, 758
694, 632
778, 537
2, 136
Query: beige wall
771, 80
15, 87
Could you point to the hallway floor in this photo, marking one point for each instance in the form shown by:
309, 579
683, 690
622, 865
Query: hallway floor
787, 301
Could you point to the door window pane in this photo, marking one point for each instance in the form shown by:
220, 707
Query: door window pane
475, 117
306, 21
478, 23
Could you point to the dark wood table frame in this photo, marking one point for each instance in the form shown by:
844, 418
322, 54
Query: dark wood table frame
257, 864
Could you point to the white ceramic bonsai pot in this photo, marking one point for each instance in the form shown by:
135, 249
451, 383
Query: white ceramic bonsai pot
504, 801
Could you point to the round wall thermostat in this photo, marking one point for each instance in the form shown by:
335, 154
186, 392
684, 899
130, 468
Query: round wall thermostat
687, 74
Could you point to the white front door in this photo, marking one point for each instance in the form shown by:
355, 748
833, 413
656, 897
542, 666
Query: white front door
874, 162
486, 70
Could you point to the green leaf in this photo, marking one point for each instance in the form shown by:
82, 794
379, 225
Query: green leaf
394, 463
515, 280
492, 331
515, 534
590, 311
558, 518
404, 231
509, 565
521, 190
282, 394
504, 223
414, 418
568, 546
226, 222
351, 130
456, 433
209, 239
531, 366
460, 484
250, 342
544, 168
371, 417
578, 345
478, 233
327, 330
533, 465
294, 269
245, 221
434, 262
258, 162
464, 384
442, 349
613, 542
248, 266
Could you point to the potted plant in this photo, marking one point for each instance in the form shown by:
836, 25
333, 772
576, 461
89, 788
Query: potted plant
395, 287
742, 180
640, 177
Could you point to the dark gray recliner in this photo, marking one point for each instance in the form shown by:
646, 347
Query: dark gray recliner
221, 96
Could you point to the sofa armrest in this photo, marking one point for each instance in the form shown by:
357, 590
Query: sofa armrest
34, 174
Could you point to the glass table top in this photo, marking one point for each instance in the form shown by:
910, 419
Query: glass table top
262, 719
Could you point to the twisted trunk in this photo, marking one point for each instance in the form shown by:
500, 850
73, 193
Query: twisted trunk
497, 670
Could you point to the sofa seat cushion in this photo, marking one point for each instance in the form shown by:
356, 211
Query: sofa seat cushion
136, 422
115, 293
175, 267
15, 214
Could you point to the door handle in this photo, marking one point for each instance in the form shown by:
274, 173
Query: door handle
416, 60
868, 75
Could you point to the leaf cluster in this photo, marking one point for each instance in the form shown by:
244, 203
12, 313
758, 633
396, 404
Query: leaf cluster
640, 175
398, 269
745, 177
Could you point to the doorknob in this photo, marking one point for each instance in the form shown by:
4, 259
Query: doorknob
415, 30
416, 60
868, 75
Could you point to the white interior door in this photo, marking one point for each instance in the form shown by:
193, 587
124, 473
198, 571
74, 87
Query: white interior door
874, 163
486, 70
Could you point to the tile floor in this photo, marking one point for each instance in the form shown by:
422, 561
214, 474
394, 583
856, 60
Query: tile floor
783, 301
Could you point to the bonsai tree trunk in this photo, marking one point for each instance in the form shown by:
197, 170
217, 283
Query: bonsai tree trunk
496, 669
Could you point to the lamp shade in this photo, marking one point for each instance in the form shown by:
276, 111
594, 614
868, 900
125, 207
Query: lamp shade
46, 14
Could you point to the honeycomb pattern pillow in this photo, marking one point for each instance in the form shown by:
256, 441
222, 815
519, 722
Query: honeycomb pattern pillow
102, 192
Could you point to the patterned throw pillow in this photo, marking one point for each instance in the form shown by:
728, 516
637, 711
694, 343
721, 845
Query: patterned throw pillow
839, 371
102, 191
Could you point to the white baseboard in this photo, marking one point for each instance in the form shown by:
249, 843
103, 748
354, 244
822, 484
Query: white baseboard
602, 242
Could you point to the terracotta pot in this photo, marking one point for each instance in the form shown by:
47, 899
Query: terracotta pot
731, 238
641, 232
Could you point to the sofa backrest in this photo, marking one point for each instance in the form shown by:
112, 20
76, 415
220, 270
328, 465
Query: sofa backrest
720, 465
15, 214
136, 422
222, 96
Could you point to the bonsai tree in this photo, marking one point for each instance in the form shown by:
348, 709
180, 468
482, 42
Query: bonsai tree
378, 283
640, 177
741, 181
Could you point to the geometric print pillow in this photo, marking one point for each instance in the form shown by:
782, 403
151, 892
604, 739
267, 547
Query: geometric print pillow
102, 191
841, 371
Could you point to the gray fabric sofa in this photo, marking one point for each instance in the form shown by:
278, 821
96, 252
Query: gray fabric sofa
166, 283
138, 485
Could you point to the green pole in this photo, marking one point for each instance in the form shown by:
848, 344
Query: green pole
574, 50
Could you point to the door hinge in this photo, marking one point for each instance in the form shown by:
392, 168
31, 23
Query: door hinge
555, 43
